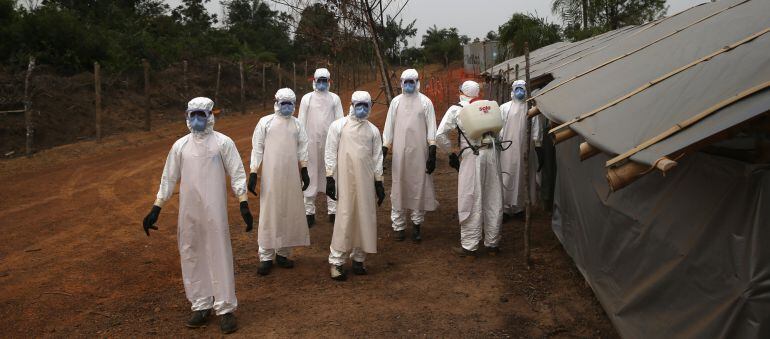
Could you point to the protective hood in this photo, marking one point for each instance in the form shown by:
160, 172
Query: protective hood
517, 84
411, 74
359, 97
283, 94
470, 90
201, 104
321, 73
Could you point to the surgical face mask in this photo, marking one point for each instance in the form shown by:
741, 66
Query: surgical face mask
322, 84
409, 87
519, 93
361, 110
198, 121
287, 108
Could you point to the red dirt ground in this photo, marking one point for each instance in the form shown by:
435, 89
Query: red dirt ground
75, 262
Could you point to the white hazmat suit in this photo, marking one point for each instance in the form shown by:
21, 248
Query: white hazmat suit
201, 160
354, 154
317, 110
410, 128
280, 149
479, 187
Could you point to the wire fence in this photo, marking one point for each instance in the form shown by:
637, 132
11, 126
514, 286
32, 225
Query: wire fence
40, 109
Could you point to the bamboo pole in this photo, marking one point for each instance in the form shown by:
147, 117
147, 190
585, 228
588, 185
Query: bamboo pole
563, 135
98, 100
587, 150
659, 79
28, 107
525, 160
147, 115
243, 89
533, 112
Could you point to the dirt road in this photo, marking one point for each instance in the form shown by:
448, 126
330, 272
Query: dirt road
75, 262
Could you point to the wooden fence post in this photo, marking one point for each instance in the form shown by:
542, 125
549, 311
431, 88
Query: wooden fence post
28, 107
525, 160
294, 76
243, 90
216, 89
98, 100
264, 89
280, 77
184, 78
147, 116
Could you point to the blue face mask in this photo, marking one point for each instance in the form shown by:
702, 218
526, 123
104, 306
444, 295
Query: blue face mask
361, 111
198, 123
286, 109
322, 85
519, 93
410, 87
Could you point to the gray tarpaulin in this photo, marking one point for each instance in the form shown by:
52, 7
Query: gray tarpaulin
681, 256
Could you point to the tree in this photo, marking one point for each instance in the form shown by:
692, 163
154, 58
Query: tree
598, 16
316, 32
523, 28
394, 36
443, 45
260, 31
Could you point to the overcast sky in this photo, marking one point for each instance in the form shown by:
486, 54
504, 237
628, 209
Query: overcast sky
472, 18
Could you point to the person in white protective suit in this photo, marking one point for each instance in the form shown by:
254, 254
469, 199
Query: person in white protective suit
317, 110
514, 129
479, 191
279, 147
354, 154
201, 160
410, 132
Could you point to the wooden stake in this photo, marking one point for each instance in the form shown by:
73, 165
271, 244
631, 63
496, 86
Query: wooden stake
533, 112
280, 77
264, 89
98, 100
563, 135
243, 88
294, 67
216, 89
184, 79
525, 160
517, 71
28, 107
147, 115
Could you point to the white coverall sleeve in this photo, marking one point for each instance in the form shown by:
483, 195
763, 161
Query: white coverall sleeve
332, 143
233, 166
303, 106
171, 172
430, 120
302, 153
338, 112
376, 153
537, 131
258, 145
448, 123
387, 132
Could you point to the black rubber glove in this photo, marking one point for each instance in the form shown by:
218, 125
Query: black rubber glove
253, 183
151, 219
430, 165
384, 156
454, 161
331, 188
380, 190
305, 178
540, 158
246, 214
